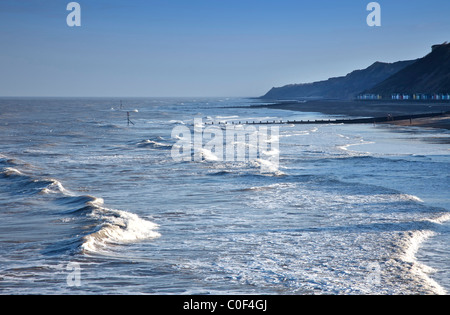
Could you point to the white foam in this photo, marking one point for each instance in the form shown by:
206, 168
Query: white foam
208, 155
56, 187
269, 187
410, 198
373, 199
440, 220
268, 166
302, 133
177, 122
411, 246
272, 152
97, 202
9, 171
153, 143
199, 124
119, 227
346, 146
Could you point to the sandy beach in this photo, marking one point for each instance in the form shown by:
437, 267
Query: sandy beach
437, 122
375, 109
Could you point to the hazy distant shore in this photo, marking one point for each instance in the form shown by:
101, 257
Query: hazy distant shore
374, 109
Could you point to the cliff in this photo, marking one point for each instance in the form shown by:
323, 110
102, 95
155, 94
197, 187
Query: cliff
346, 87
428, 75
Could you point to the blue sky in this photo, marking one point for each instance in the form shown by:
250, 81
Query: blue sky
128, 48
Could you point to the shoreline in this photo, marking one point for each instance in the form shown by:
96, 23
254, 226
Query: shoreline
418, 241
374, 109
432, 122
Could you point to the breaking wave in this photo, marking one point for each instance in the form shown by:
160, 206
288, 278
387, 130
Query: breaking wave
104, 226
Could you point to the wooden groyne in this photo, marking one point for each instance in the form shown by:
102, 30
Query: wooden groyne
374, 120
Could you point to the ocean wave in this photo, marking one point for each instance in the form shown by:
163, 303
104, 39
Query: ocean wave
112, 227
220, 173
80, 200
154, 145
209, 156
109, 126
117, 227
301, 133
267, 167
27, 184
347, 146
410, 198
54, 187
101, 226
265, 188
383, 197
11, 172
177, 122
409, 246
441, 219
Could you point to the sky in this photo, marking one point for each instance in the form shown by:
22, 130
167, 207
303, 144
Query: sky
195, 48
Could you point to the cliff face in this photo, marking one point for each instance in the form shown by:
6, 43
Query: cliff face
346, 87
428, 75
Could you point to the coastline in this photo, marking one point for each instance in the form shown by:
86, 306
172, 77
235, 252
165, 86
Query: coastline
374, 109
436, 122
418, 241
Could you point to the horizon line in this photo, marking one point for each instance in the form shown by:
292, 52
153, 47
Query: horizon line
125, 97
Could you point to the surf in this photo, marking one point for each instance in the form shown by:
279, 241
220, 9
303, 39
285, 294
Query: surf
101, 227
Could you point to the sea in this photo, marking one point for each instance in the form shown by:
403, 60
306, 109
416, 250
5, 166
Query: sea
92, 202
